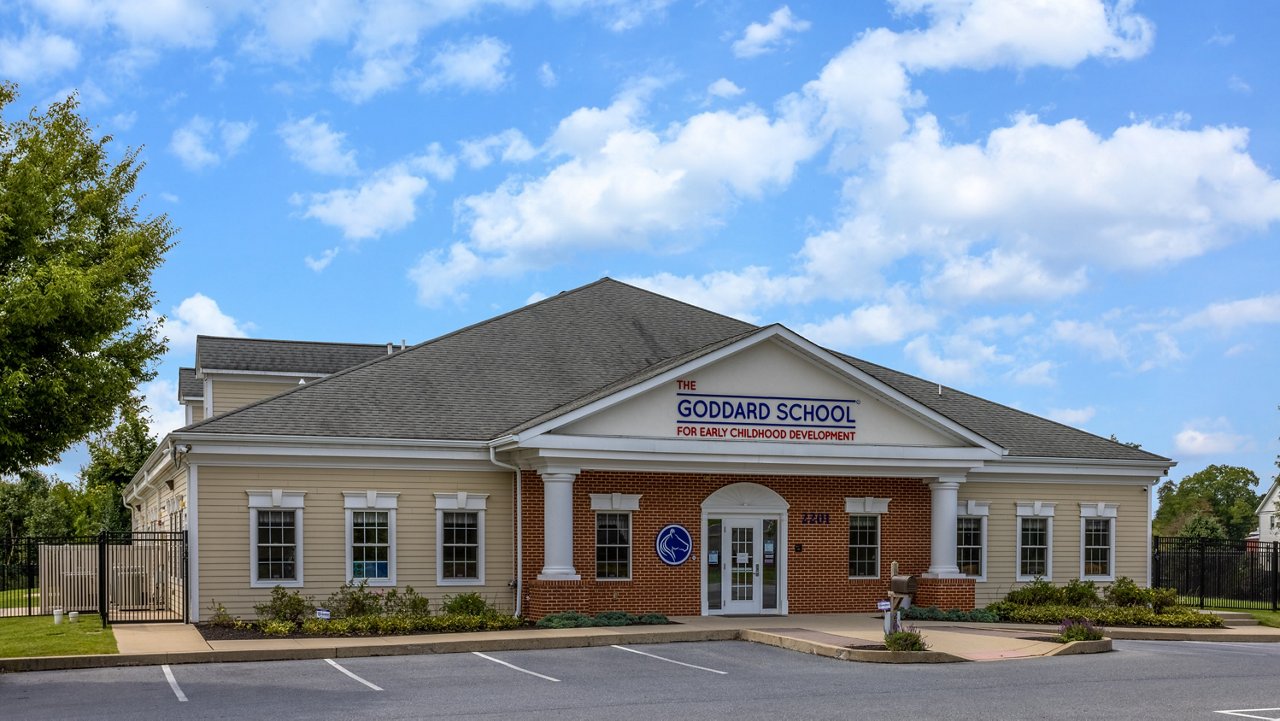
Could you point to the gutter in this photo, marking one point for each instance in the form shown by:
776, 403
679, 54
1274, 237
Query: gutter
519, 529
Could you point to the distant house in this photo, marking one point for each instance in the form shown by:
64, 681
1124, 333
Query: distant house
1269, 514
608, 448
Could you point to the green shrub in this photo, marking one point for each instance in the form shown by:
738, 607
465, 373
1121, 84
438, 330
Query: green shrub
614, 618
1074, 629
1162, 599
933, 613
316, 627
566, 619
354, 599
466, 604
1080, 593
1037, 593
1124, 592
1110, 616
652, 619
286, 605
219, 617
406, 603
277, 627
908, 639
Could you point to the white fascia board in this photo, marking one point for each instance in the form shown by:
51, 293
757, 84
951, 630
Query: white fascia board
1060, 470
1268, 496
641, 463
683, 446
780, 332
156, 464
211, 449
265, 376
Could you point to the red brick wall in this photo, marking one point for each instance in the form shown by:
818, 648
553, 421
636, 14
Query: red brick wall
946, 593
817, 577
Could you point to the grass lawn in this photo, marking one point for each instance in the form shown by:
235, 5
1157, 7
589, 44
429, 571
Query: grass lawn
17, 598
1266, 618
38, 636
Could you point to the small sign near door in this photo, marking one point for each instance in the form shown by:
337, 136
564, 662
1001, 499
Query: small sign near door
674, 545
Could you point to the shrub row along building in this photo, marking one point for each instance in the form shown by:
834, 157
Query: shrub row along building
613, 449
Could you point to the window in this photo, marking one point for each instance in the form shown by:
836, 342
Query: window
371, 537
864, 535
613, 534
460, 538
864, 546
1097, 541
613, 546
971, 538
1035, 540
275, 538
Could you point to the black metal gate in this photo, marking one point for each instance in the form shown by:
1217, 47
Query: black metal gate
1218, 574
122, 577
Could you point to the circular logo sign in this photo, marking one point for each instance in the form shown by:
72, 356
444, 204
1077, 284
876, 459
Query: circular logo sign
674, 545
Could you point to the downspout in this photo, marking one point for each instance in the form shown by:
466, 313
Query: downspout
493, 458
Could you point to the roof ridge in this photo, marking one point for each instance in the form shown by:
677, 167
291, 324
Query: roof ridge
293, 341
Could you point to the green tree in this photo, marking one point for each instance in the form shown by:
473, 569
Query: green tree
1223, 492
76, 258
1203, 527
114, 457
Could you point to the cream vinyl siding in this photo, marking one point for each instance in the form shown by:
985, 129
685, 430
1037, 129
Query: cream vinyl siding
1132, 526
197, 411
230, 395
224, 530
154, 501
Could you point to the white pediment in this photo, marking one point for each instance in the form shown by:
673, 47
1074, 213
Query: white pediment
770, 388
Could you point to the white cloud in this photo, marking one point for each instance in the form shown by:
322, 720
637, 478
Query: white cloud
218, 69
1203, 437
289, 30
123, 121
534, 297
759, 39
440, 275
384, 203
1036, 374
476, 64
1072, 416
737, 293
1164, 353
164, 413
724, 88
1001, 275
318, 147
170, 198
963, 359
547, 76
166, 23
435, 162
319, 264
199, 315
194, 143
1091, 337
1238, 349
872, 324
376, 75
1237, 85
36, 56
618, 15
1220, 38
509, 146
1228, 316
986, 325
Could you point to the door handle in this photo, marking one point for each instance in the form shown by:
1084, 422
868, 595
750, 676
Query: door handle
757, 570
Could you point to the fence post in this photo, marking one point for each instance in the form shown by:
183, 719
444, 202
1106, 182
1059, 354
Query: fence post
1202, 544
1275, 576
102, 577
29, 551
186, 585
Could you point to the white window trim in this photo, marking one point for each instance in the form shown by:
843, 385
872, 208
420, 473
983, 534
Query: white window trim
461, 501
1034, 509
615, 502
980, 510
879, 547
276, 499
1109, 511
868, 506
630, 543
373, 501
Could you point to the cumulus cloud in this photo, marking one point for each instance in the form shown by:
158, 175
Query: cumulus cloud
724, 88
289, 30
37, 55
319, 264
547, 76
199, 315
383, 203
1228, 316
374, 76
200, 143
737, 293
1001, 275
1072, 416
509, 146
1097, 339
1209, 436
1036, 374
474, 64
317, 147
164, 413
962, 359
434, 162
873, 324
173, 23
761, 38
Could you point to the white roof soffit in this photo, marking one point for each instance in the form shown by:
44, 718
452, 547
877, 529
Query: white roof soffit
226, 448
805, 348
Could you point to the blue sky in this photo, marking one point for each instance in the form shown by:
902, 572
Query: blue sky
1071, 210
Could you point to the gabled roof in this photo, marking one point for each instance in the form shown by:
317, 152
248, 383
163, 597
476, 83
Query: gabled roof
188, 385
217, 353
1268, 497
545, 359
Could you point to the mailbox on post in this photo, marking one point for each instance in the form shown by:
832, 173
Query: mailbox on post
904, 585
901, 589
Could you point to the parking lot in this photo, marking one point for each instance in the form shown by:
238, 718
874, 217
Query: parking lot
712, 680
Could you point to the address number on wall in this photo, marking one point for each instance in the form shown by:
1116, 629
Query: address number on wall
815, 519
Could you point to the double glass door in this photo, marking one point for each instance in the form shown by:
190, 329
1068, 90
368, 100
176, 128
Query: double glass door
742, 565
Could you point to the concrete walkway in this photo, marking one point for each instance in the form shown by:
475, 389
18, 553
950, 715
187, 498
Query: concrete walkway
835, 635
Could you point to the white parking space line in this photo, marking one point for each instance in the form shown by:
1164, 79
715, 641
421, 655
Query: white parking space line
513, 666
373, 686
173, 683
1274, 713
670, 660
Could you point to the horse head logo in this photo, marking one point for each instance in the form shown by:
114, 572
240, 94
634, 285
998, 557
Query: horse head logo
674, 545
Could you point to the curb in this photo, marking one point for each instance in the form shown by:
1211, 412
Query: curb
1074, 648
848, 654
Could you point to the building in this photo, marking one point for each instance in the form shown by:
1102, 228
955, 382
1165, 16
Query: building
1268, 512
610, 448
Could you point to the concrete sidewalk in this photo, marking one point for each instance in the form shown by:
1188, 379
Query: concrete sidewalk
834, 635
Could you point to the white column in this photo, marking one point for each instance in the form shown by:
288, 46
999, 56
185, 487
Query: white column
557, 528
942, 531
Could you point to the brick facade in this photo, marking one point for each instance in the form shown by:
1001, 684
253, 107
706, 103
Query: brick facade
817, 576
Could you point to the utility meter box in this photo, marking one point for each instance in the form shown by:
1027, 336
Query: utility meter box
905, 585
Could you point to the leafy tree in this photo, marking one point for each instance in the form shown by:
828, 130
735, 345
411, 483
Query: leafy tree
1203, 527
1223, 492
76, 332
114, 457
1131, 444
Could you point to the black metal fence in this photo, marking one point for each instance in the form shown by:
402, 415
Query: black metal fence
128, 577
1218, 574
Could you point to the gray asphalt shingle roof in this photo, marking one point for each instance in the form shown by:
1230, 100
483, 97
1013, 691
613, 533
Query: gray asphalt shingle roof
281, 356
188, 385
536, 362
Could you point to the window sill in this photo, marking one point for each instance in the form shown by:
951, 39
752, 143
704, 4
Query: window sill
614, 580
275, 582
460, 582
372, 582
